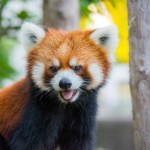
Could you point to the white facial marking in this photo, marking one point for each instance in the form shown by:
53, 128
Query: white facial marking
37, 75
72, 62
75, 80
97, 75
75, 96
68, 73
56, 62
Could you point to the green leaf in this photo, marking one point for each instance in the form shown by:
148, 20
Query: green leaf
6, 70
23, 15
4, 2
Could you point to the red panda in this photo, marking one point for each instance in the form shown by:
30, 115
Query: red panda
55, 104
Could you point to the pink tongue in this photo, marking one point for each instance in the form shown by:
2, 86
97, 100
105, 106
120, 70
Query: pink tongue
67, 94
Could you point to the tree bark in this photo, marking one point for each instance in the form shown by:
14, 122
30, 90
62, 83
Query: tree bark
139, 42
61, 14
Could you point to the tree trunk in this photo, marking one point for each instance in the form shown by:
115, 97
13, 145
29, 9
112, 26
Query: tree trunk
139, 42
61, 14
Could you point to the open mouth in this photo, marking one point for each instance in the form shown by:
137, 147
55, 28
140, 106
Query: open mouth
68, 94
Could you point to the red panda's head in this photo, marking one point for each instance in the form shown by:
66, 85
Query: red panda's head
69, 62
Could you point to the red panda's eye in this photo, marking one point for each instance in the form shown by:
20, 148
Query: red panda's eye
53, 69
77, 68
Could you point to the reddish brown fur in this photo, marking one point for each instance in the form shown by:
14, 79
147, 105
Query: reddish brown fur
62, 45
12, 101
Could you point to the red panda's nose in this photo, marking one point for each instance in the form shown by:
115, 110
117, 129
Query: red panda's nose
65, 83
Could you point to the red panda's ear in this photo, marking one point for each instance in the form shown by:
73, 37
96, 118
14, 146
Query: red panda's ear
31, 34
106, 37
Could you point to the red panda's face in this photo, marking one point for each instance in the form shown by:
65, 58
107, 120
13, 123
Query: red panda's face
68, 63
